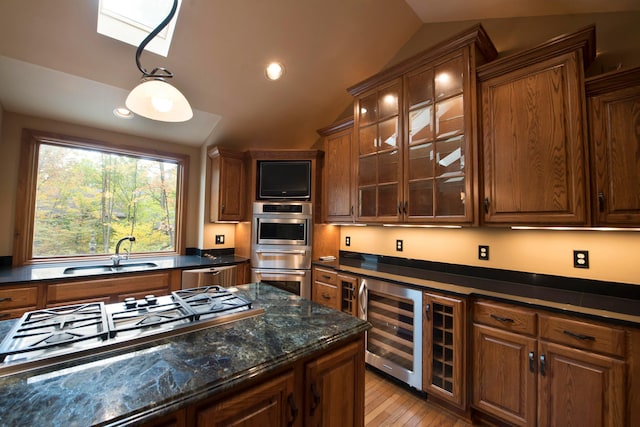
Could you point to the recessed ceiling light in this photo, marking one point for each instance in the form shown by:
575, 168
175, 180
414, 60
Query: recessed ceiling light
274, 71
122, 113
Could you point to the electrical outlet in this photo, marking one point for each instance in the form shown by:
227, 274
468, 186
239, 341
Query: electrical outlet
581, 259
483, 252
347, 241
219, 239
399, 245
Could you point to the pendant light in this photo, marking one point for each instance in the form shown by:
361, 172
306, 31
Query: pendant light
154, 97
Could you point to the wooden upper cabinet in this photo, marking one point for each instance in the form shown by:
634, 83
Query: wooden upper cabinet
415, 135
338, 204
614, 116
228, 185
534, 134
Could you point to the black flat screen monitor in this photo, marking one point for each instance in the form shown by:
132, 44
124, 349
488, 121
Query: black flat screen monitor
284, 179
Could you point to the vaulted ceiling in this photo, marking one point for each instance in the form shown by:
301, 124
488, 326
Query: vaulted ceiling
54, 65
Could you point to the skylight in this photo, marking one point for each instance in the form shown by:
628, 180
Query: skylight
130, 21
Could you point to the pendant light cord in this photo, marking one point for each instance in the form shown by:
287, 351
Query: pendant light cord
156, 72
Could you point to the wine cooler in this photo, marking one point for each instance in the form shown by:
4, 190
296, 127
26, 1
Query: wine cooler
394, 343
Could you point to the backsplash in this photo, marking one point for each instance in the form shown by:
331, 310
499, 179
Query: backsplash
613, 255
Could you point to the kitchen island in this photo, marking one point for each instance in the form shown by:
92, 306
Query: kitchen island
187, 378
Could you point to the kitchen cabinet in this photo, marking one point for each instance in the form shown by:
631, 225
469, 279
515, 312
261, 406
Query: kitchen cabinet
334, 388
534, 139
444, 349
560, 371
16, 300
349, 287
415, 134
113, 289
271, 403
228, 185
325, 288
338, 204
614, 118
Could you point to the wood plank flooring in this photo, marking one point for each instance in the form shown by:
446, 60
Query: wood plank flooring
388, 404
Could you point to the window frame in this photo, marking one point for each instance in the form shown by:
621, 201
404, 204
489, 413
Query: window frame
27, 182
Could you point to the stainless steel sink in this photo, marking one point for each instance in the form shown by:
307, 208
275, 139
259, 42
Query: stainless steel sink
94, 269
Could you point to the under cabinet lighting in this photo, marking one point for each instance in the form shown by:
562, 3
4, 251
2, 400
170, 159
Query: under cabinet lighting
526, 227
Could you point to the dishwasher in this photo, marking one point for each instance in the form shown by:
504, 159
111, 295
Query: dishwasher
394, 343
222, 276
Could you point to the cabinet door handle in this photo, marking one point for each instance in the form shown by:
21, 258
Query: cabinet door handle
579, 336
5, 299
486, 205
405, 207
326, 296
502, 319
427, 310
315, 398
326, 276
601, 201
293, 409
532, 362
222, 208
399, 208
543, 365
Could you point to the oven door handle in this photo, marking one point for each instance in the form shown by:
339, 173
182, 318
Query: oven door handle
280, 272
281, 251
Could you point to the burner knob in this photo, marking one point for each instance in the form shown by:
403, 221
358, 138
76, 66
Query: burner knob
151, 299
130, 302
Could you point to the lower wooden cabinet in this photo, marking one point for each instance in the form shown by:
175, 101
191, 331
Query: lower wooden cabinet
335, 389
16, 300
504, 375
557, 372
444, 348
325, 288
580, 388
269, 404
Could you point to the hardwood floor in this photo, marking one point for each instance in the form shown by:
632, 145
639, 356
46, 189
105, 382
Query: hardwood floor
387, 404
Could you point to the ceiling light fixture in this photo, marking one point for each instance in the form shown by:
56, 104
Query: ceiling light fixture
123, 113
154, 97
274, 71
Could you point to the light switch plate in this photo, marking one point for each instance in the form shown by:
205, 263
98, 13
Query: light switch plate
347, 241
399, 245
219, 239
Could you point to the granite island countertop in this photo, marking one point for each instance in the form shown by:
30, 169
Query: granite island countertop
136, 385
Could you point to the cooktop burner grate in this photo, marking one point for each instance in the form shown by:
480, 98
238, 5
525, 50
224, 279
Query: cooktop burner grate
208, 301
57, 326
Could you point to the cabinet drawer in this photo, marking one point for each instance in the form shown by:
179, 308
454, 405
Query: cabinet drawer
579, 334
11, 298
326, 276
100, 288
326, 294
503, 316
15, 312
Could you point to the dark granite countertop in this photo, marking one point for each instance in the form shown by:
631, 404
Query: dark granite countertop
129, 388
618, 302
55, 271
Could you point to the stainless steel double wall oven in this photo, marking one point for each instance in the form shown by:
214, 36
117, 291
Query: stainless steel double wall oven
281, 245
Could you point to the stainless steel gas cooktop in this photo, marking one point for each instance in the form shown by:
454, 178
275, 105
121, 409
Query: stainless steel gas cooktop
57, 334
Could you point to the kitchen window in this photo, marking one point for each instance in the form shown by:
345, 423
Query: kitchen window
77, 198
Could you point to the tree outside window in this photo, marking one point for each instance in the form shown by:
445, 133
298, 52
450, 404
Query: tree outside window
86, 197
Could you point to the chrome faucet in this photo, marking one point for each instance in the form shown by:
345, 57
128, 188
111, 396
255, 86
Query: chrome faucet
117, 257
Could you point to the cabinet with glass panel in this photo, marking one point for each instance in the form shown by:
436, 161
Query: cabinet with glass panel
415, 134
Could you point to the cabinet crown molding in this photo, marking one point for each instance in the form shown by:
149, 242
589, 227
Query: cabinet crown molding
582, 40
474, 35
613, 80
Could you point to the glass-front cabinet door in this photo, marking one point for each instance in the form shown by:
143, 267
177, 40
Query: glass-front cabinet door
379, 154
436, 168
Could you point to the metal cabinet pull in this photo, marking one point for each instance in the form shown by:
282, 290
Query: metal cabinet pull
5, 299
601, 201
405, 207
399, 208
222, 210
326, 296
543, 365
502, 319
579, 336
326, 276
532, 362
427, 310
486, 205
316, 398
293, 408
